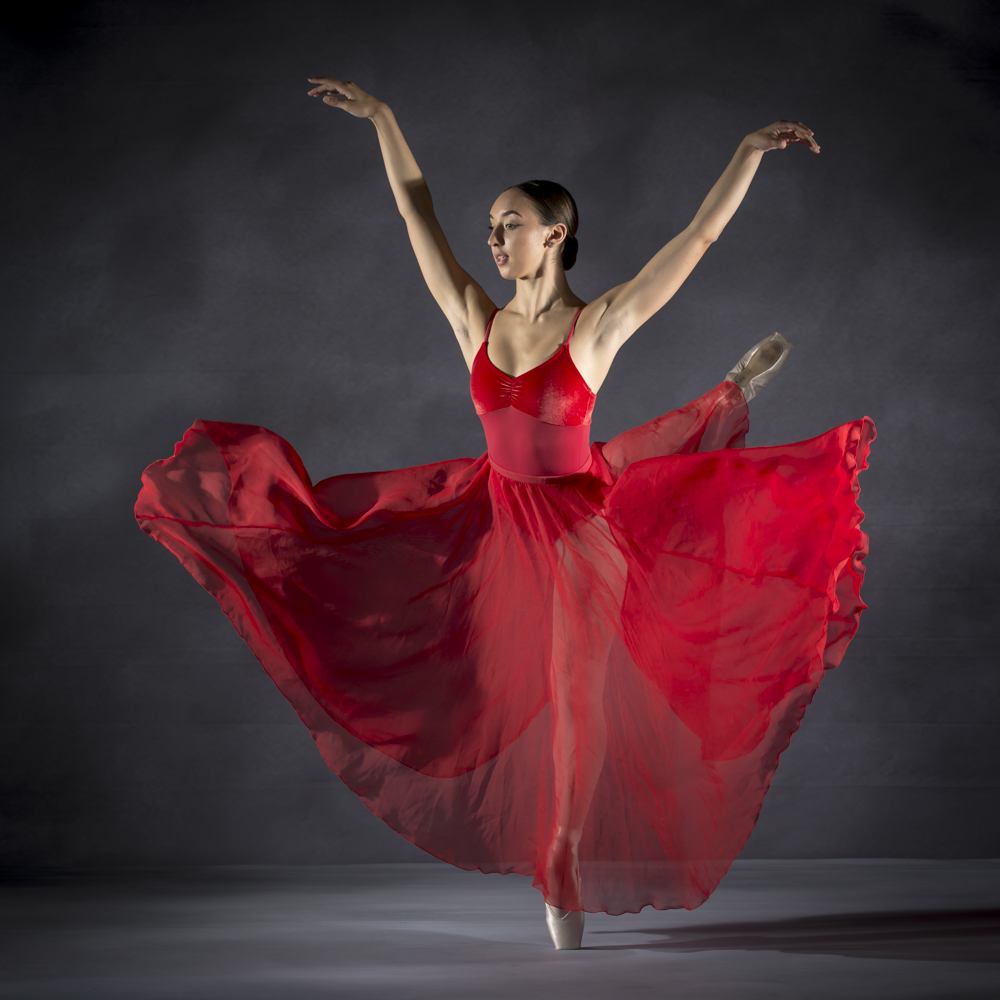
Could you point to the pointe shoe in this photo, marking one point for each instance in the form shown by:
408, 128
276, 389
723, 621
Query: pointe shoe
759, 365
565, 926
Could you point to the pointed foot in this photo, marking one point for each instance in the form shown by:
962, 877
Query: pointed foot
760, 364
565, 926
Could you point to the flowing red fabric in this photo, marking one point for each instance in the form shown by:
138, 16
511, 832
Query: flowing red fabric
612, 660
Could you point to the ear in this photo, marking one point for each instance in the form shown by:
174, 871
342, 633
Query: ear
556, 235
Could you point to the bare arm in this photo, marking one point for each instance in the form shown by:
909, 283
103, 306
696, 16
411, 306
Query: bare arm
464, 303
620, 312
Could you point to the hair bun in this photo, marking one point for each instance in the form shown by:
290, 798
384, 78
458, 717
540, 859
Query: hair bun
570, 248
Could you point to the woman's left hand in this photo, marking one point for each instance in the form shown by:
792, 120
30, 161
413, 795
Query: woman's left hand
780, 134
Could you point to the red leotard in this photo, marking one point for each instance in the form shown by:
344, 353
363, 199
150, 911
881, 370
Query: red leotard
537, 424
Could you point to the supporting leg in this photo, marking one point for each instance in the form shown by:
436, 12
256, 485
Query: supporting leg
579, 733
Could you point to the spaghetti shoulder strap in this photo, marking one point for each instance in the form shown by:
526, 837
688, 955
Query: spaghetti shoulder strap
489, 325
573, 327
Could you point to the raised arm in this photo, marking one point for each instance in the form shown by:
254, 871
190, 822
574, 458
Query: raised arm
620, 312
464, 303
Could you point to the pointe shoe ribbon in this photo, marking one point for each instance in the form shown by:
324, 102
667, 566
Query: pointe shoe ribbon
759, 365
565, 926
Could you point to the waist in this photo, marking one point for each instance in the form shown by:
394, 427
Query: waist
521, 445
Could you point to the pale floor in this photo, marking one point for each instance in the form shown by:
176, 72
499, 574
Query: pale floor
774, 929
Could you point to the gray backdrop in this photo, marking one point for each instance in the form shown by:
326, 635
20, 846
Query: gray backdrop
187, 235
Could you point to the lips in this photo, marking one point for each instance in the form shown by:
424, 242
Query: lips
501, 259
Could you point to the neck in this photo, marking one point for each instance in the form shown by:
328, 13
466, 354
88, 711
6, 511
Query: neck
538, 294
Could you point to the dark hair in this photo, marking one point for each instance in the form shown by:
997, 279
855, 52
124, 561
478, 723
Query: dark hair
554, 204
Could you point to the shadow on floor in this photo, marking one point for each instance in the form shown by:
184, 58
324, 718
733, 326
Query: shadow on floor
931, 935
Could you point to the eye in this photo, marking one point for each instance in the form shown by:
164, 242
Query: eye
511, 225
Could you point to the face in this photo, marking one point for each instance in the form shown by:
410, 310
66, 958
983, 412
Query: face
521, 245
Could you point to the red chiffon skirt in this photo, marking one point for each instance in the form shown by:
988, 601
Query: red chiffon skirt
490, 663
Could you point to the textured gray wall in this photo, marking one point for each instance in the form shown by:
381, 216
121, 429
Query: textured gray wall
188, 235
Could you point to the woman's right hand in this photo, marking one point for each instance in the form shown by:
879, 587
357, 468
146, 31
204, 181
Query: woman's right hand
780, 135
346, 95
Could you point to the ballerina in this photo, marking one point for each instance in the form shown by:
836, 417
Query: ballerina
573, 660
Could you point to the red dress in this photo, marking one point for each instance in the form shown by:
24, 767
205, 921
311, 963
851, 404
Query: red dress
610, 642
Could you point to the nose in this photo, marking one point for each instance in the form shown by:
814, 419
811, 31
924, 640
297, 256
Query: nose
495, 236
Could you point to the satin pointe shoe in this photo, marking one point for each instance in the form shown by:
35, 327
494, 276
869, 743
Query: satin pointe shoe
759, 365
565, 926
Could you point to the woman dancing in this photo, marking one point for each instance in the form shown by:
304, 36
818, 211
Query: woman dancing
570, 660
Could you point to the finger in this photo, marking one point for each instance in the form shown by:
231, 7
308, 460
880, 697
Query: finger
802, 131
326, 83
797, 132
805, 136
788, 126
340, 92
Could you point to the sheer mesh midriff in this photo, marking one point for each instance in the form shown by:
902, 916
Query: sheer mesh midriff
526, 445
